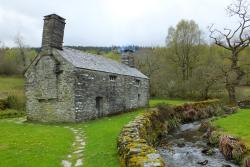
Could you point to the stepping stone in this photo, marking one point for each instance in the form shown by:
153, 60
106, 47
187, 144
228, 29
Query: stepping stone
66, 163
78, 151
69, 156
80, 155
78, 162
79, 140
83, 143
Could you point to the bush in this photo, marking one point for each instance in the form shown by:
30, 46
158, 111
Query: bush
9, 113
2, 104
15, 102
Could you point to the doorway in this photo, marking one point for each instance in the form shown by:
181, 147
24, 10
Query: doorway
99, 106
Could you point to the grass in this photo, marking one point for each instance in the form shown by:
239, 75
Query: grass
237, 124
12, 88
10, 85
154, 102
29, 145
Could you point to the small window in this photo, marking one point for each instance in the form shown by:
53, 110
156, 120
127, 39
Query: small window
112, 77
137, 81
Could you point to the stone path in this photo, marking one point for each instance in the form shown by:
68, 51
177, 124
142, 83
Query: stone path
75, 158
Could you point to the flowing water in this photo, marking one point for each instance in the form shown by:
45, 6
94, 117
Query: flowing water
185, 146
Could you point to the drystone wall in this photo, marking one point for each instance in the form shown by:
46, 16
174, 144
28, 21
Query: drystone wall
244, 104
137, 139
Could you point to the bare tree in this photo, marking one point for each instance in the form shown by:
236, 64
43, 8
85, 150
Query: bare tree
147, 61
235, 41
21, 49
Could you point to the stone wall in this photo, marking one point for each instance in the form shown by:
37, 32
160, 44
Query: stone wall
137, 139
114, 93
49, 88
244, 104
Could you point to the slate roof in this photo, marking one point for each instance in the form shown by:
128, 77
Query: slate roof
98, 63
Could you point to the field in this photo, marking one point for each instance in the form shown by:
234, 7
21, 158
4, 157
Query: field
12, 88
237, 124
11, 85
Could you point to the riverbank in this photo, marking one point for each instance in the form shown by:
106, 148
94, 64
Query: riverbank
137, 139
234, 131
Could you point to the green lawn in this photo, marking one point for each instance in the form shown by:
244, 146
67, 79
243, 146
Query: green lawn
237, 124
33, 145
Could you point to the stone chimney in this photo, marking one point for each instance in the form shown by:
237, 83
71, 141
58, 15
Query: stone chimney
128, 58
53, 31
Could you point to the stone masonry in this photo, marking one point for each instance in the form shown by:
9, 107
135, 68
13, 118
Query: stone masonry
66, 85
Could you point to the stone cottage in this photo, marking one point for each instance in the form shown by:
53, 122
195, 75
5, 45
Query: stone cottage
67, 85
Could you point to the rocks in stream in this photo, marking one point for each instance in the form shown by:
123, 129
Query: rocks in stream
208, 151
203, 163
226, 165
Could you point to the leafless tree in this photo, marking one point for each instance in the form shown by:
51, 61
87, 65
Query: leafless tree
235, 41
21, 49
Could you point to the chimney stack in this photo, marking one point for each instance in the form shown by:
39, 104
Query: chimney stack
53, 31
128, 58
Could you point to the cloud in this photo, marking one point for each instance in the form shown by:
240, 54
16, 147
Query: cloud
107, 22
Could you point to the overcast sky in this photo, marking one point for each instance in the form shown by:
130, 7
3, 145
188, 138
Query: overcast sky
107, 22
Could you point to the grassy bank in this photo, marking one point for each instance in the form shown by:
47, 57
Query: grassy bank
237, 124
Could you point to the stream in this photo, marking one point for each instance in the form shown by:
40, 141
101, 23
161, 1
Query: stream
185, 146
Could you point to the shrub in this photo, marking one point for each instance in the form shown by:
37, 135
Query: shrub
2, 104
15, 102
9, 113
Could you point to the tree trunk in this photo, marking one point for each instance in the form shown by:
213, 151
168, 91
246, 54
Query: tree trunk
231, 94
